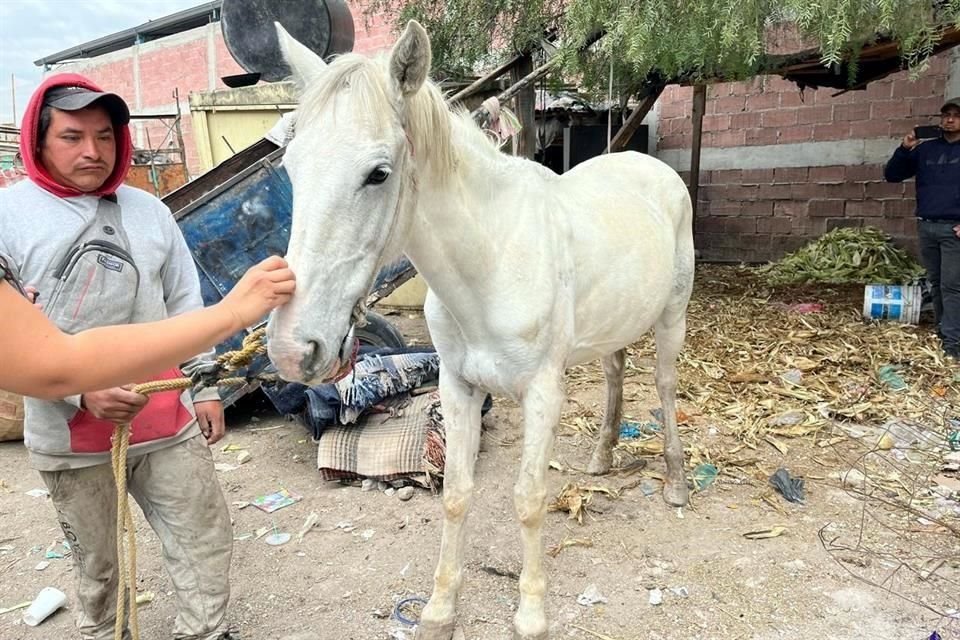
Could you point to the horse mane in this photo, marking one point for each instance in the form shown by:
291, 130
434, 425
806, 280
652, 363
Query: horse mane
425, 116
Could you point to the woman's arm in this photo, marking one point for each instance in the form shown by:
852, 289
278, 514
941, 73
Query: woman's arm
41, 361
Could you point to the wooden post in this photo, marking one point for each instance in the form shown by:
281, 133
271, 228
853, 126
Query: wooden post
630, 127
526, 108
699, 106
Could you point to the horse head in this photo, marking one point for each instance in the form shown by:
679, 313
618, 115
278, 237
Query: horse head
352, 166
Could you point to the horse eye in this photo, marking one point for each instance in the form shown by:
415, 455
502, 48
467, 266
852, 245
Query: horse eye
378, 176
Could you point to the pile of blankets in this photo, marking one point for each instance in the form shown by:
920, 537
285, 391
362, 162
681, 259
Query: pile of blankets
383, 421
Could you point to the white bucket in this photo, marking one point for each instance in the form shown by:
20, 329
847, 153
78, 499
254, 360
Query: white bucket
892, 302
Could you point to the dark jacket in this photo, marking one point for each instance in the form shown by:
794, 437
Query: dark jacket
936, 165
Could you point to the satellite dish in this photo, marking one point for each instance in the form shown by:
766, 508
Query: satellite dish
323, 26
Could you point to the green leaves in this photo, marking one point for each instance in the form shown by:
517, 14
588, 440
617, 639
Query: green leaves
678, 38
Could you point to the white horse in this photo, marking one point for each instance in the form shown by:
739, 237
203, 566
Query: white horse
529, 274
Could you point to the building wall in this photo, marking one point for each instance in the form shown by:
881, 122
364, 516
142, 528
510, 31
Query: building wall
147, 75
780, 167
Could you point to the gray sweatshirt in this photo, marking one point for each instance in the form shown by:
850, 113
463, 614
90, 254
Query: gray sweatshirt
38, 236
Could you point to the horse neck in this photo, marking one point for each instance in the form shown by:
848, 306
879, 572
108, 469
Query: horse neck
458, 224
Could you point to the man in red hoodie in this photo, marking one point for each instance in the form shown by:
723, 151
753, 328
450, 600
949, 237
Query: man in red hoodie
103, 253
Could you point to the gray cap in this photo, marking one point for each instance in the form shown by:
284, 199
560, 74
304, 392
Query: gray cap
74, 98
952, 102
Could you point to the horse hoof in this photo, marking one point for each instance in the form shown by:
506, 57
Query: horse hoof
675, 494
599, 466
435, 630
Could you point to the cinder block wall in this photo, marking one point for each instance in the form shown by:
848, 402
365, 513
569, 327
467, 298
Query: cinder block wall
781, 167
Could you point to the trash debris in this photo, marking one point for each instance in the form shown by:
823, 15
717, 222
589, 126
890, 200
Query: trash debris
367, 534
312, 520
793, 376
223, 467
656, 596
763, 534
629, 430
680, 592
572, 500
273, 501
788, 419
43, 564
38, 493
277, 539
791, 488
47, 601
704, 475
953, 439
398, 610
888, 375
145, 597
590, 596
230, 448
886, 442
244, 457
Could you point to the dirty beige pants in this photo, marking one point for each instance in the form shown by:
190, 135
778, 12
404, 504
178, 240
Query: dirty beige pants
178, 491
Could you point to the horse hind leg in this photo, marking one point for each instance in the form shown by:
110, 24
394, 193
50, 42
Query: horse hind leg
670, 331
609, 433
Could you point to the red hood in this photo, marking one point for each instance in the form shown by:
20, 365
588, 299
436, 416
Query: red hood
29, 142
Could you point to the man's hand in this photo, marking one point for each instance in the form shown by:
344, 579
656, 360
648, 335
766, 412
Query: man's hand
116, 405
909, 141
211, 420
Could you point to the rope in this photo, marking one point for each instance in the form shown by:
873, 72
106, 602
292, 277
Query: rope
253, 345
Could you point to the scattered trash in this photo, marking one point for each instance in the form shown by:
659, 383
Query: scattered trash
273, 501
308, 524
47, 601
656, 596
590, 596
790, 487
240, 504
788, 419
763, 534
886, 442
953, 439
244, 457
43, 564
366, 534
38, 493
223, 467
398, 610
277, 539
405, 493
20, 605
629, 430
887, 374
934, 636
229, 448
680, 592
145, 597
793, 376
704, 475
649, 487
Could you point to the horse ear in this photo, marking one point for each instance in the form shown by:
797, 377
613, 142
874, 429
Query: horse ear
410, 58
304, 64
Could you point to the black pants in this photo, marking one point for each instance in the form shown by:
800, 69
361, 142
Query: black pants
940, 250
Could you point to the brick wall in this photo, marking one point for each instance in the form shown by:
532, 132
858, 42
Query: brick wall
758, 213
182, 62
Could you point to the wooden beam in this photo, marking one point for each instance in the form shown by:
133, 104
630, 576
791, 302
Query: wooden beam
526, 110
699, 106
477, 85
630, 127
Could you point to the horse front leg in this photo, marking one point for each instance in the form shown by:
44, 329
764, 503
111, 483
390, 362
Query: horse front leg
542, 404
609, 433
461, 404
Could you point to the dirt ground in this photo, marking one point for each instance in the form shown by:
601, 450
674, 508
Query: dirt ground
371, 550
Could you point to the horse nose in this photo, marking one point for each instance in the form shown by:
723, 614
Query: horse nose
308, 366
